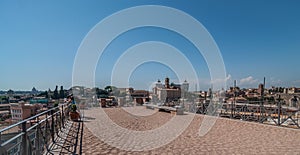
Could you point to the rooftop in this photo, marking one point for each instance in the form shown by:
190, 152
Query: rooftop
225, 137
137, 130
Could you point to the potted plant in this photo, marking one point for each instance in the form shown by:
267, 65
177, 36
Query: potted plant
74, 115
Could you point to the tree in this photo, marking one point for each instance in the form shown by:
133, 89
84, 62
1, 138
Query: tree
55, 93
61, 92
49, 93
46, 94
111, 89
101, 93
10, 92
108, 89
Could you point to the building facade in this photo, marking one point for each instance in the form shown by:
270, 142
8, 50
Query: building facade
169, 92
21, 110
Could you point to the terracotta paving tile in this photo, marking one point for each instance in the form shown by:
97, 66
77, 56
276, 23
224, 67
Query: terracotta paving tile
225, 137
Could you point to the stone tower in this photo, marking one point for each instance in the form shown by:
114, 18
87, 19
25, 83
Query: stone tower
167, 82
185, 86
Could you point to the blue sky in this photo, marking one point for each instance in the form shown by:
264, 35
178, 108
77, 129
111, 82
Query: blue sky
39, 41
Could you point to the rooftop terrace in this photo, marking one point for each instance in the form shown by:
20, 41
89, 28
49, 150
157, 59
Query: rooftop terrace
95, 134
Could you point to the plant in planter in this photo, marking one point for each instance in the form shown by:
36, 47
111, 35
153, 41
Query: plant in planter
55, 104
74, 115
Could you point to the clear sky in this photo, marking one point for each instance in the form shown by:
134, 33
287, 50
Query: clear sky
39, 41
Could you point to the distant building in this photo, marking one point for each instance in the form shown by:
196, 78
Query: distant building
127, 95
252, 94
286, 90
294, 101
185, 86
293, 90
4, 110
140, 96
21, 110
122, 92
4, 107
41, 100
237, 100
168, 95
34, 91
260, 89
77, 90
158, 85
169, 92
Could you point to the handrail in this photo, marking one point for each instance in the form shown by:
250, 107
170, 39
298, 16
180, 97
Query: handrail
12, 139
30, 118
48, 124
43, 120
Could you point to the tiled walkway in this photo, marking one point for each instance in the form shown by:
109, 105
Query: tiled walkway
226, 137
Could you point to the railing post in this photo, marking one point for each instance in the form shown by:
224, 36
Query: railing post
62, 116
38, 137
279, 111
52, 126
46, 129
1, 148
24, 139
231, 110
58, 121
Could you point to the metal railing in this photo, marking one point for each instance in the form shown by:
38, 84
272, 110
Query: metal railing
36, 133
275, 114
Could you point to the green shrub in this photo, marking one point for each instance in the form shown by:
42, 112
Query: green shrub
73, 108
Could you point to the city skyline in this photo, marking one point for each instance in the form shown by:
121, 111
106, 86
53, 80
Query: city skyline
39, 41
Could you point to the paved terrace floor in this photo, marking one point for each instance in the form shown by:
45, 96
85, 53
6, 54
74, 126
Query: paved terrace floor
225, 137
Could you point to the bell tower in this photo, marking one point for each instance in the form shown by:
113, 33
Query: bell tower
167, 82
